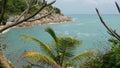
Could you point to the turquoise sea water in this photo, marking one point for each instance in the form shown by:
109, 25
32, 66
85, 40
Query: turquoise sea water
85, 27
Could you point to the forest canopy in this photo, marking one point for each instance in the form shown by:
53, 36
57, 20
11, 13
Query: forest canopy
18, 6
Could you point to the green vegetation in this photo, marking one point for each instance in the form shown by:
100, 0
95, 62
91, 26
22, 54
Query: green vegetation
1, 66
111, 59
56, 10
61, 53
16, 7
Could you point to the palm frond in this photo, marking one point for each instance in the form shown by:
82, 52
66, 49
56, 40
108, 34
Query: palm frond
45, 48
36, 56
52, 33
69, 42
83, 55
66, 46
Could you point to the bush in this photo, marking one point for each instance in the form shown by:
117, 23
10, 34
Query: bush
16, 6
110, 59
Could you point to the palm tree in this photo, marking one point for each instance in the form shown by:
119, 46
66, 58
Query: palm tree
60, 53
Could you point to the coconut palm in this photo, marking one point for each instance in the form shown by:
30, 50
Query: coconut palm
60, 53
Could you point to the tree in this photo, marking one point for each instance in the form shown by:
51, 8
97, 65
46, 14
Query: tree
25, 16
19, 6
30, 5
61, 53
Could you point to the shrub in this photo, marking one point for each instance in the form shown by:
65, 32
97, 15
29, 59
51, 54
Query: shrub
111, 59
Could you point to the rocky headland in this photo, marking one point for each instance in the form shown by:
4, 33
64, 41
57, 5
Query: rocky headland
53, 18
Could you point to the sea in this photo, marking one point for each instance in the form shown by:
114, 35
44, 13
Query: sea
85, 27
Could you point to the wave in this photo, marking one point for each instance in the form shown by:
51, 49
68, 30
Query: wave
87, 34
5, 31
79, 24
52, 23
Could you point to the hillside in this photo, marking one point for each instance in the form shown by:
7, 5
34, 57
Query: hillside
16, 7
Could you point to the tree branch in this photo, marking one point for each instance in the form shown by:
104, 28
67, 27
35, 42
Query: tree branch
110, 31
4, 2
22, 14
42, 16
4, 61
117, 7
27, 18
29, 4
25, 12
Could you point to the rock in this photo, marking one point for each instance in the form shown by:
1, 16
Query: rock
53, 18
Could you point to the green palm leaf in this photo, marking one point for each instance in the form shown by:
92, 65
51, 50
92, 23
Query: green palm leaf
83, 55
52, 33
70, 42
66, 47
45, 48
36, 56
55, 39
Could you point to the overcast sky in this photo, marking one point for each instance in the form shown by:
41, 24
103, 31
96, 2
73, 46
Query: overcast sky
87, 6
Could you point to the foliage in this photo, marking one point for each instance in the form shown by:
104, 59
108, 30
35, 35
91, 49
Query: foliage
60, 53
16, 6
1, 66
57, 10
28, 66
110, 59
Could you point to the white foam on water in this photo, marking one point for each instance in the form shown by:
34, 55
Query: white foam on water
5, 31
80, 24
87, 34
52, 23
84, 34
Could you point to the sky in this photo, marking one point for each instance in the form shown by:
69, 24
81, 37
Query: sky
87, 6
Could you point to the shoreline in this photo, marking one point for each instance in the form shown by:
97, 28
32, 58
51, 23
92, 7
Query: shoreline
53, 18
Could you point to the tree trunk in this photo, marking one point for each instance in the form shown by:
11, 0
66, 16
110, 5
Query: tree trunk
4, 2
4, 62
